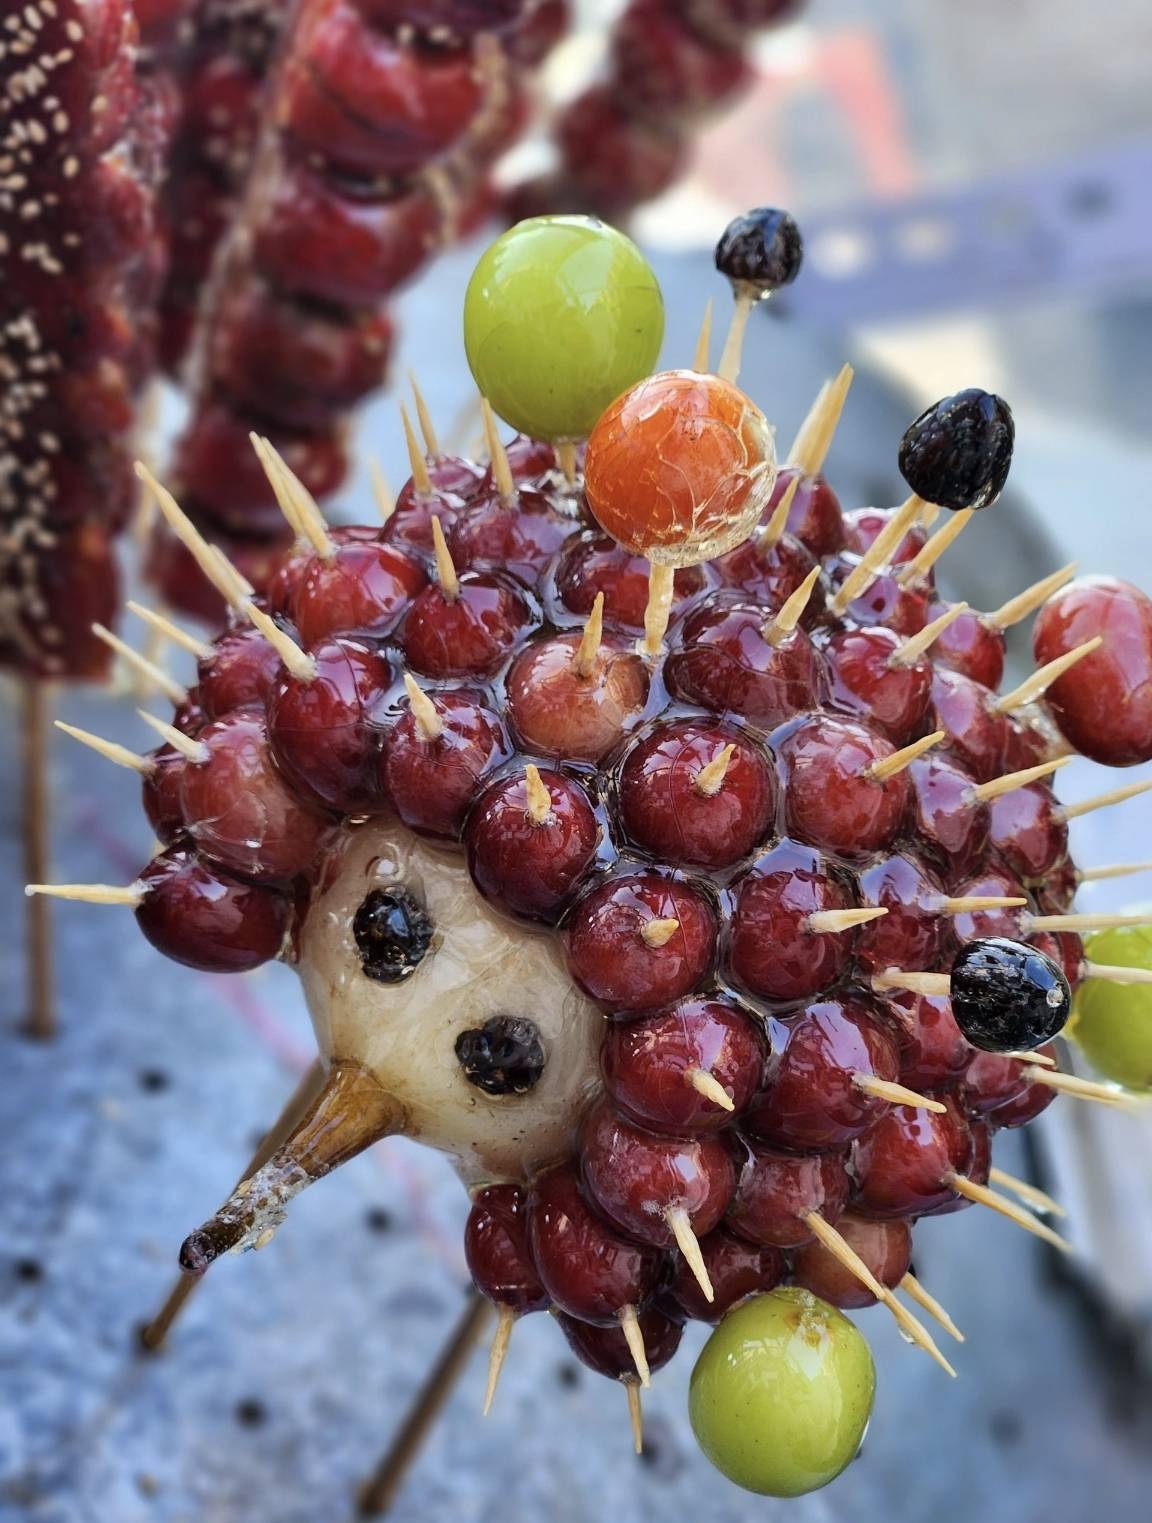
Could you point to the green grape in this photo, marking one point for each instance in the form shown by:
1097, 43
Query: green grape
562, 315
782, 1393
1112, 1023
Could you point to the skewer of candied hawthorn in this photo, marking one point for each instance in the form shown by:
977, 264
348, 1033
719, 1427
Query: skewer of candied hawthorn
375, 133
82, 138
625, 139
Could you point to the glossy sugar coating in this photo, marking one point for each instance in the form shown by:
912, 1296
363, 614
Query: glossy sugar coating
561, 315
680, 467
560, 907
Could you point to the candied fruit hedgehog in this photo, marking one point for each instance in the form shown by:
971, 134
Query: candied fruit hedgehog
758, 924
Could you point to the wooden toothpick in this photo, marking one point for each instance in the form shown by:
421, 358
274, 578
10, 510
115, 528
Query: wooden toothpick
686, 1240
658, 933
428, 722
703, 341
777, 630
198, 648
1041, 680
896, 1094
811, 445
888, 766
1030, 599
584, 661
194, 751
915, 646
431, 443
1010, 781
921, 564
825, 922
159, 679
112, 752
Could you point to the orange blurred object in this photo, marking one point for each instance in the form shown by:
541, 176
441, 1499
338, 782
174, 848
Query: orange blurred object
680, 467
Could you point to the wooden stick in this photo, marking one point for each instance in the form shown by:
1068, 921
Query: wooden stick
152, 1335
634, 1338
1034, 1056
191, 750
1084, 922
912, 1288
89, 893
383, 494
710, 778
160, 680
228, 582
431, 443
296, 659
635, 1413
584, 661
933, 984
424, 711
914, 647
888, 766
969, 904
1041, 680
198, 648
773, 530
1010, 781
811, 445
1039, 1200
36, 835
661, 586
380, 1491
1114, 870
1111, 973
700, 355
777, 630
445, 569
539, 799
746, 298
284, 499
708, 1085
501, 469
307, 509
845, 1254
1030, 599
108, 749
1102, 800
1087, 1089
658, 933
824, 922
877, 555
920, 565
506, 1321
566, 454
686, 1241
983, 1196
421, 481
897, 1094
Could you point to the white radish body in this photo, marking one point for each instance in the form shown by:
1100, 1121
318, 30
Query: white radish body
480, 965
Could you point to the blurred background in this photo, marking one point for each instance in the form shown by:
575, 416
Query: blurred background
973, 183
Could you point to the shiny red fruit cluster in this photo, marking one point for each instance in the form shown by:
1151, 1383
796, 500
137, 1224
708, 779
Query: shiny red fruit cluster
365, 149
83, 135
708, 828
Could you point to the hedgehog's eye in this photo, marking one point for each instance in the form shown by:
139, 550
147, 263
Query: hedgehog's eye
393, 934
505, 1056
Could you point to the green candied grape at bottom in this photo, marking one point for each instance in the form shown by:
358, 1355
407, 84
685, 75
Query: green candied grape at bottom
782, 1393
562, 314
1112, 1023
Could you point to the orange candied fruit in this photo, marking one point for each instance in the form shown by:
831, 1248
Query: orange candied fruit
680, 467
